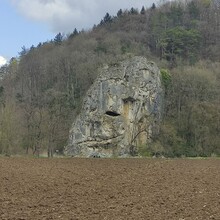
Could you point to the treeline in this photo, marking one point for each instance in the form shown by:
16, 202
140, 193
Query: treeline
191, 123
42, 89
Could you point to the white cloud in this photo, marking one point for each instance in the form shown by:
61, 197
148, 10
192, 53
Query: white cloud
3, 61
65, 15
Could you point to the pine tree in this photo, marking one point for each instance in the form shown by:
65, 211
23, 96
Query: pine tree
24, 51
107, 18
133, 11
153, 6
119, 13
142, 10
58, 38
75, 33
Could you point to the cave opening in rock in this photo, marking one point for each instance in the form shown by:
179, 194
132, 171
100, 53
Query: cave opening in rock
111, 113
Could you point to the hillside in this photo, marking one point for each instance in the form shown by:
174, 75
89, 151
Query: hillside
42, 89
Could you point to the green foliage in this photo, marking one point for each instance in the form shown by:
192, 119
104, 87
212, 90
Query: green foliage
183, 32
176, 15
153, 6
119, 13
74, 34
58, 39
133, 11
142, 10
125, 48
193, 10
191, 118
24, 51
107, 19
101, 48
144, 151
166, 77
206, 3
179, 42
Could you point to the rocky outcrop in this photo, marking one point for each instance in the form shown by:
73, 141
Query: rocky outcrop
121, 111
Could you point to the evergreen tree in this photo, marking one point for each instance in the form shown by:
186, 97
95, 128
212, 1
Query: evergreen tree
176, 15
179, 42
193, 10
153, 6
119, 13
133, 11
39, 45
75, 33
24, 51
32, 48
107, 18
142, 10
58, 38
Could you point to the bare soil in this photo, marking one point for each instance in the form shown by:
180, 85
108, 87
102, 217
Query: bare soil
109, 189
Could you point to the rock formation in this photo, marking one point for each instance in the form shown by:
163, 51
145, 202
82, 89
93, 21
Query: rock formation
121, 111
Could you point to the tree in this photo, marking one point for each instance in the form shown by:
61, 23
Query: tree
179, 42
153, 6
9, 129
119, 13
56, 117
75, 33
176, 15
58, 38
133, 11
142, 10
107, 18
191, 116
24, 51
193, 10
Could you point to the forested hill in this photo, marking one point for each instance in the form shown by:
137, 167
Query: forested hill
42, 89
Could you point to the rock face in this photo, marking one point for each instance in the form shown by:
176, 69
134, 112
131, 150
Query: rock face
121, 111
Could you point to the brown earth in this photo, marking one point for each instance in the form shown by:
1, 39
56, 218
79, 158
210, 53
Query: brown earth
109, 189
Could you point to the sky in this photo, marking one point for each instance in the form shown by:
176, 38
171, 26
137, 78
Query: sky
29, 22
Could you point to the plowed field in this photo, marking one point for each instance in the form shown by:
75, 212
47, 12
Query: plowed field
109, 189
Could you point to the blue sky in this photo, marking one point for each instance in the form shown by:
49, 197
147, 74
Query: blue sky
28, 22
18, 31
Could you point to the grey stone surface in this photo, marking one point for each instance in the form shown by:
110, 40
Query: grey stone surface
121, 111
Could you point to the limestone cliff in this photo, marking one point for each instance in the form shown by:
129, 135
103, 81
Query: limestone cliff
120, 112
